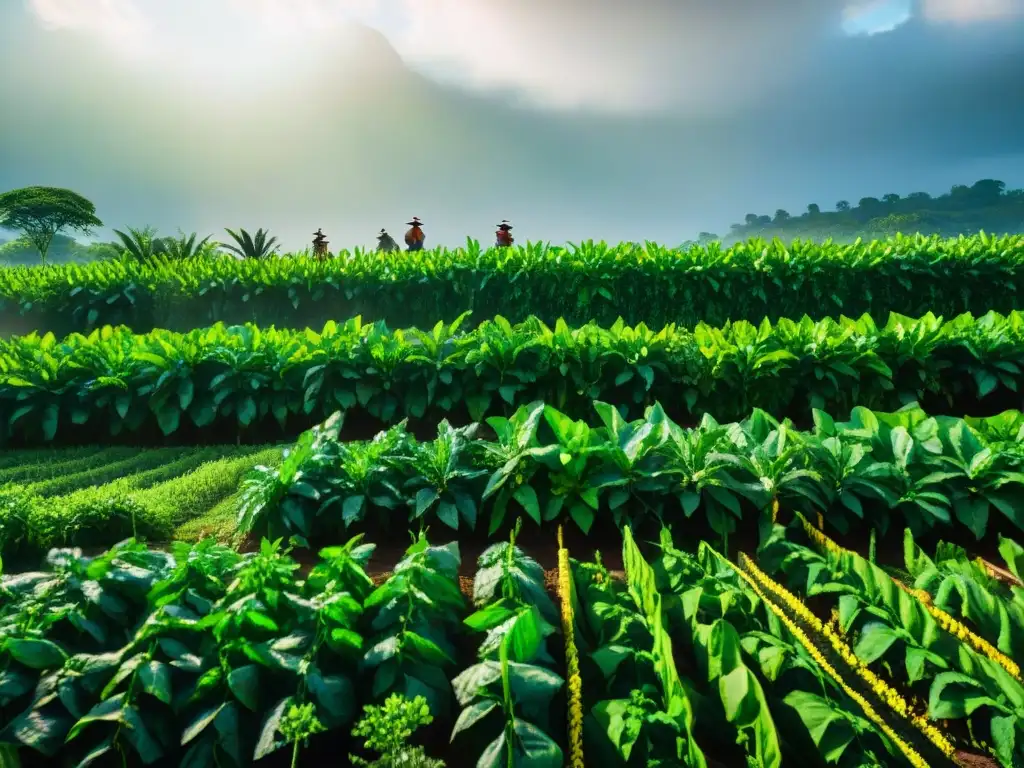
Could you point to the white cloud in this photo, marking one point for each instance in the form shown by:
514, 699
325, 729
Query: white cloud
968, 11
119, 21
702, 56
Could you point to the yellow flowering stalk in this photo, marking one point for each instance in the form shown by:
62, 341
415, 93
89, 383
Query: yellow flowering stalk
761, 584
949, 624
775, 510
572, 660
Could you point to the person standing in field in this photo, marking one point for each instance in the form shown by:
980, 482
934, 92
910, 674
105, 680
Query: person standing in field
320, 243
503, 237
414, 237
386, 243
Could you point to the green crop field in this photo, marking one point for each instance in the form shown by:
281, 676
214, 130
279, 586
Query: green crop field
589, 282
643, 507
258, 384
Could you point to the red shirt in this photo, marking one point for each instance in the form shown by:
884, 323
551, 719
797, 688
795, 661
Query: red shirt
504, 237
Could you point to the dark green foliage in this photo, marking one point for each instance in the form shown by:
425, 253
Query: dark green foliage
927, 472
234, 380
415, 618
507, 695
200, 656
984, 206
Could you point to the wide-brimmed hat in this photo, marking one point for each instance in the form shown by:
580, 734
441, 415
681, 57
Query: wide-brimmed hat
383, 233
415, 222
319, 232
504, 224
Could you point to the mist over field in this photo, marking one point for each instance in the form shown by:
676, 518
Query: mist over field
574, 120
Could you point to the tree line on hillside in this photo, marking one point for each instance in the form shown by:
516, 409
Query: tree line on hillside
987, 205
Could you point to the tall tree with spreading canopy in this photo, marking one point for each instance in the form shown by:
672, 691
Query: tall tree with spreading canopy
39, 213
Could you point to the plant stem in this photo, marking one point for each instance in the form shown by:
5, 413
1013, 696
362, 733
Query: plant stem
506, 690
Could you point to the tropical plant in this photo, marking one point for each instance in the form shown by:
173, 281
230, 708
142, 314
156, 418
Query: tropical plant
807, 706
248, 246
255, 377
141, 244
965, 588
185, 246
868, 471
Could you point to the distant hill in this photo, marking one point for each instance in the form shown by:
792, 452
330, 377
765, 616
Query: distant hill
985, 205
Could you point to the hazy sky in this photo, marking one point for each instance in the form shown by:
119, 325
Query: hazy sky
610, 119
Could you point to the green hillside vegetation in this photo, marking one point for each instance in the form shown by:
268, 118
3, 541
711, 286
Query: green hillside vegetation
987, 205
64, 250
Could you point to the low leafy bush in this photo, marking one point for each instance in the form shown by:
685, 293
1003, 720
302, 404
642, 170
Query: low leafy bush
507, 695
416, 616
199, 656
928, 472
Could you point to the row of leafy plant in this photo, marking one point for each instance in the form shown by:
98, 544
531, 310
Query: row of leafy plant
592, 281
151, 503
243, 379
140, 469
952, 682
200, 655
638, 710
971, 591
927, 472
753, 693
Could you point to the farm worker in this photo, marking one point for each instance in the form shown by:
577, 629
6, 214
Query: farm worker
320, 243
504, 235
414, 237
386, 243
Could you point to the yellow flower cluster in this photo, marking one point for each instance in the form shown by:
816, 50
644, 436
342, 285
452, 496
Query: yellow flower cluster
760, 583
572, 660
980, 644
943, 619
775, 510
